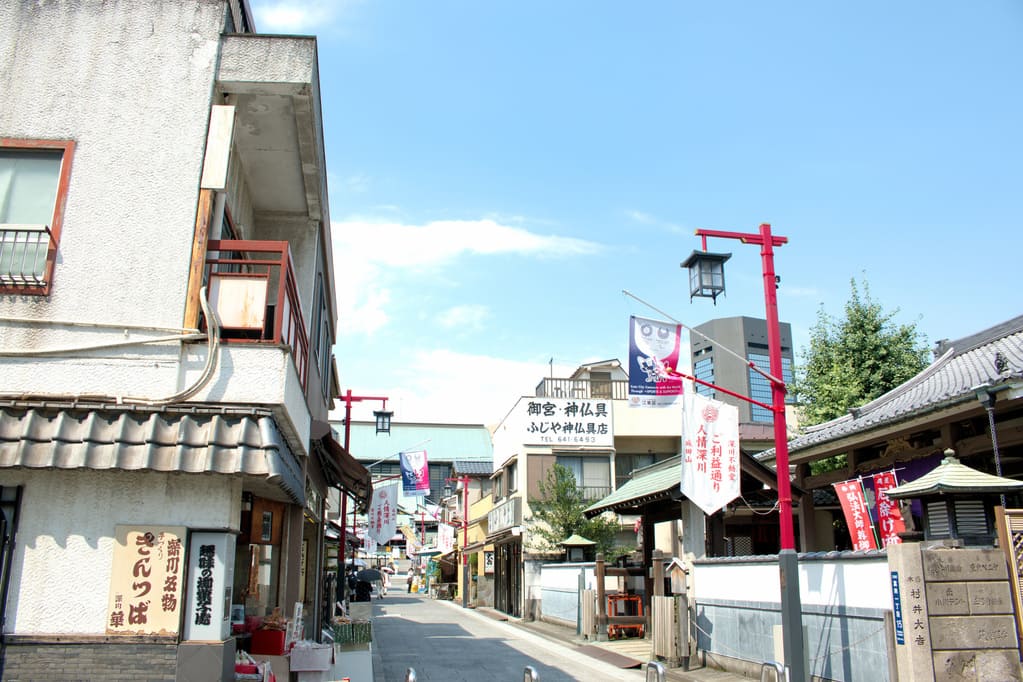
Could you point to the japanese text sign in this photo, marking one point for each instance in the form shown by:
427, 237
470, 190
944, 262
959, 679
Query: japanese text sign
566, 421
210, 585
857, 516
889, 517
383, 514
710, 452
145, 581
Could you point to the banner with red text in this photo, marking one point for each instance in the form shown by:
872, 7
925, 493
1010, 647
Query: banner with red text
653, 357
445, 538
857, 516
415, 474
889, 517
710, 452
383, 514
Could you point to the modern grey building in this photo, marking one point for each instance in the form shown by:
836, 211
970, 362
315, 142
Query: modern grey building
746, 338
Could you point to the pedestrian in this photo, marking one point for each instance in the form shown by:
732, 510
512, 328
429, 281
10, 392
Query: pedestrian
409, 581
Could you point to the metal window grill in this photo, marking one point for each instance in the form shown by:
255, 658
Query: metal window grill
23, 250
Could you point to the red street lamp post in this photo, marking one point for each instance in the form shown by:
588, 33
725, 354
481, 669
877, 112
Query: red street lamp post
383, 425
707, 280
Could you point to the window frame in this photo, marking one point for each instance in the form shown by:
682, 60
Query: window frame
67, 149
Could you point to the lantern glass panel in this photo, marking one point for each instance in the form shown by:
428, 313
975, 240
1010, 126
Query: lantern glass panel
383, 421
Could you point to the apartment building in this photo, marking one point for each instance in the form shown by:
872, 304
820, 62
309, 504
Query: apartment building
167, 316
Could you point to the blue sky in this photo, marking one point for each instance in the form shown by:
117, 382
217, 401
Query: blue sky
499, 171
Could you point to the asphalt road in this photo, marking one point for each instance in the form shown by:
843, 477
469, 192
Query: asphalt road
444, 643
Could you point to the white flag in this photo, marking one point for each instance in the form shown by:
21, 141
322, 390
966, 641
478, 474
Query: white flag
445, 538
710, 452
383, 514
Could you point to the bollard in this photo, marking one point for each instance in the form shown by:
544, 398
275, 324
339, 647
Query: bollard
410, 675
530, 674
658, 672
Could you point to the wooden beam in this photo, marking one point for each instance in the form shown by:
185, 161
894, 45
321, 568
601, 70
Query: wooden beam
203, 214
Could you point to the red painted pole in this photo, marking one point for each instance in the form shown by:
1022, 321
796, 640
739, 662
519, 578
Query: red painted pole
781, 442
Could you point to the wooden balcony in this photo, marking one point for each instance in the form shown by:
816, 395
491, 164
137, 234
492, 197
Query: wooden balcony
251, 288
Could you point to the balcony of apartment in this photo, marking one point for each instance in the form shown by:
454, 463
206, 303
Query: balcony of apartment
267, 267
601, 389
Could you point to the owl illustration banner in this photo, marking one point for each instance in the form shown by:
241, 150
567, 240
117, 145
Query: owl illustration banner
653, 362
415, 474
710, 452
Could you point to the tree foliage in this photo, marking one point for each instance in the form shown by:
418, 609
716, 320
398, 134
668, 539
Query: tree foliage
852, 360
558, 514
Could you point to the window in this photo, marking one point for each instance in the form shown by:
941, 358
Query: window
513, 477
760, 387
34, 178
592, 475
320, 331
703, 370
600, 384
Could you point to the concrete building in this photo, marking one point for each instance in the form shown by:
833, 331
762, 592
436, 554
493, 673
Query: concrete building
166, 322
721, 351
583, 422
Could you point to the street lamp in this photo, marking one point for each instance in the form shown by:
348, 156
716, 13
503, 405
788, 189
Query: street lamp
383, 425
707, 279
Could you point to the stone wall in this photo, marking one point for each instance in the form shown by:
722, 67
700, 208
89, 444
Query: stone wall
953, 614
92, 661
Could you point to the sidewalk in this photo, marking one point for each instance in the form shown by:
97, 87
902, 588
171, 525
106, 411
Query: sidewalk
569, 637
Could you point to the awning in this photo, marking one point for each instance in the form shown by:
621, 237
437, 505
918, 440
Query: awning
342, 470
188, 440
664, 479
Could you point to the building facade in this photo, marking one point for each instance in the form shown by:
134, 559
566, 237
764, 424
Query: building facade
584, 423
721, 352
166, 323
445, 446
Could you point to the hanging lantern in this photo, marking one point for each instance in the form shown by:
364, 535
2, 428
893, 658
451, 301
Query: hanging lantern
706, 274
383, 418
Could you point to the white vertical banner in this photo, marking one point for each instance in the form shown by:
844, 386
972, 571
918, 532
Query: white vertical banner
445, 538
209, 587
383, 514
710, 452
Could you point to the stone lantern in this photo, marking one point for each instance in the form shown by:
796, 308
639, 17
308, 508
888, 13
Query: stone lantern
958, 502
578, 548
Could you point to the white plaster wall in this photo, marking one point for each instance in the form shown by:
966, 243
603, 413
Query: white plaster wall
649, 421
858, 582
60, 579
131, 82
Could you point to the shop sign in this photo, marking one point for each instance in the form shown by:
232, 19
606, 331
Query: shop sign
504, 516
145, 580
210, 583
565, 421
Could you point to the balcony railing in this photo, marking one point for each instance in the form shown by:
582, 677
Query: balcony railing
251, 287
23, 250
607, 389
593, 493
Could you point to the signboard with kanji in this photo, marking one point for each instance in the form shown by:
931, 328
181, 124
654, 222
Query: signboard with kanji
710, 452
145, 581
566, 421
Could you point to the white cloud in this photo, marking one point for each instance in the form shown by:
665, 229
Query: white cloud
643, 218
295, 16
464, 317
370, 255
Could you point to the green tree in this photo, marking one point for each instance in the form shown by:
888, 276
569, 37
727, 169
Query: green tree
558, 514
852, 360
